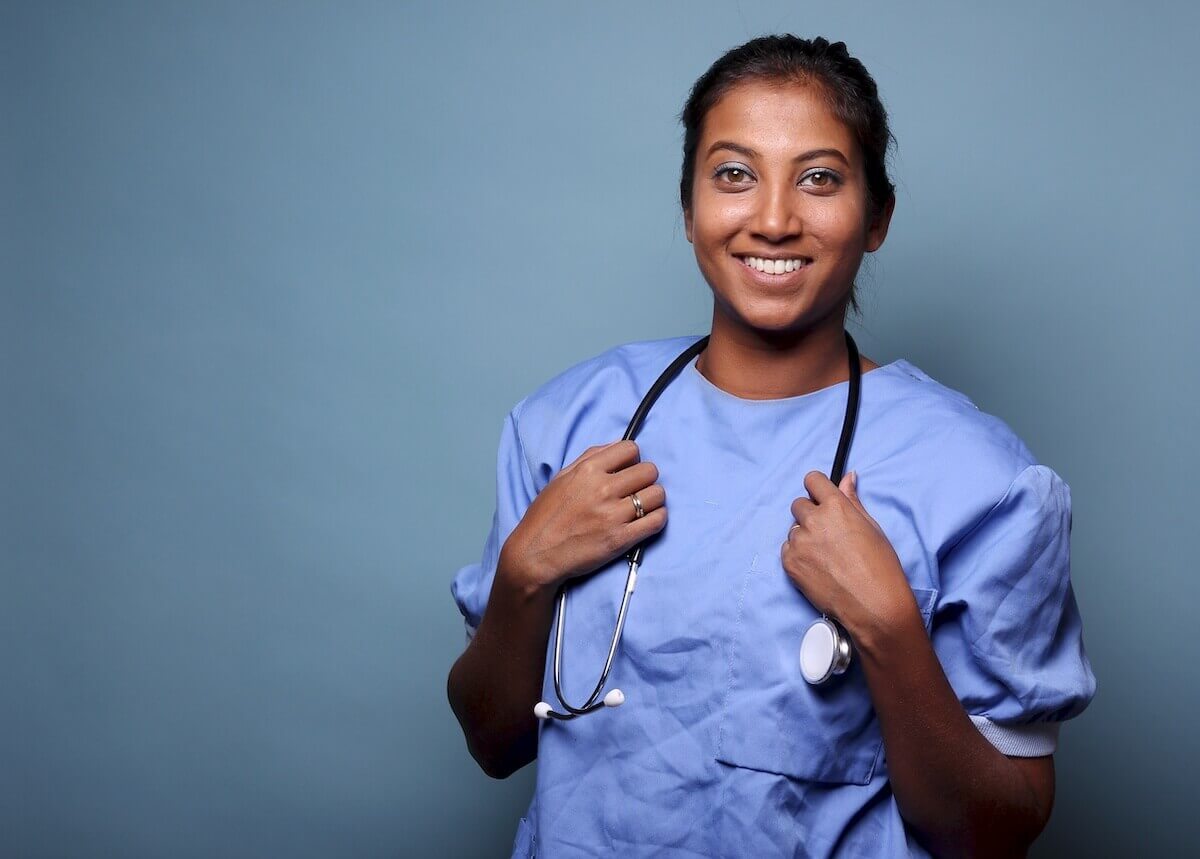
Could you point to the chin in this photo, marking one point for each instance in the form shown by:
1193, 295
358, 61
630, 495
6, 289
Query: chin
777, 317
771, 323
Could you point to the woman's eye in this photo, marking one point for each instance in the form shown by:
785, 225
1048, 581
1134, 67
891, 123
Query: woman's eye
821, 178
733, 175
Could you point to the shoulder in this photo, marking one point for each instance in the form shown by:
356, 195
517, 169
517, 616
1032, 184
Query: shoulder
568, 403
948, 419
967, 459
634, 360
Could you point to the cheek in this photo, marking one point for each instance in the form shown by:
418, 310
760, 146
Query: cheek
713, 231
838, 228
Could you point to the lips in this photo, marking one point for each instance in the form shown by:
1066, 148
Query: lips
762, 270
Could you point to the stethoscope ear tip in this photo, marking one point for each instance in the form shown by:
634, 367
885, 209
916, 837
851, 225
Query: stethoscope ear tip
614, 698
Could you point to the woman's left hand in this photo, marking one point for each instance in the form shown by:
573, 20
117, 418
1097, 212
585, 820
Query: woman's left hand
842, 561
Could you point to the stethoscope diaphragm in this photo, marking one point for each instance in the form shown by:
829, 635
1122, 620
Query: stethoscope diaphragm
824, 651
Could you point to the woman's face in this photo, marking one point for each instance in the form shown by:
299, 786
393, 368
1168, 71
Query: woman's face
778, 176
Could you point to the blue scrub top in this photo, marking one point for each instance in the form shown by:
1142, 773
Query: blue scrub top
721, 747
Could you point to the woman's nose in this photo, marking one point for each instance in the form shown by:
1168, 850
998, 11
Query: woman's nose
776, 216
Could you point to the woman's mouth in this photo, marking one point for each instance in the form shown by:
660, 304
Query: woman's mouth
774, 272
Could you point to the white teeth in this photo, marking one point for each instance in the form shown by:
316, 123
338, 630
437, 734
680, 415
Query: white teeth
773, 266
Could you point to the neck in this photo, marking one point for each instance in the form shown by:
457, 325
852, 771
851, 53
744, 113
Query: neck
755, 365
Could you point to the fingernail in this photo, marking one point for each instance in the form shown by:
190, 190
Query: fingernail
854, 480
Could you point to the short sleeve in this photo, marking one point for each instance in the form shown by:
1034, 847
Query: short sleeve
1007, 628
472, 584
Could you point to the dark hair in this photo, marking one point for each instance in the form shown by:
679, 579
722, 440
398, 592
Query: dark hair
844, 81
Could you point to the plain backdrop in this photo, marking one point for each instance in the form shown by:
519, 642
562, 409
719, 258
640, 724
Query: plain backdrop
273, 274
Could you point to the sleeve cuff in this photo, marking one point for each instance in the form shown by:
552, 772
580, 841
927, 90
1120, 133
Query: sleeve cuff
1020, 741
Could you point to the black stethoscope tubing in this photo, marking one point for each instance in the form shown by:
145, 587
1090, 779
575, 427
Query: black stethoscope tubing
635, 556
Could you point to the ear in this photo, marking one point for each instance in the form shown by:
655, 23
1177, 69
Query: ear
878, 229
687, 224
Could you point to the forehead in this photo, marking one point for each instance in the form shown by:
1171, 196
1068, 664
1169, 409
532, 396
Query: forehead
777, 120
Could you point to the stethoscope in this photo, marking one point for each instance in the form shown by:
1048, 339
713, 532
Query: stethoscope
825, 648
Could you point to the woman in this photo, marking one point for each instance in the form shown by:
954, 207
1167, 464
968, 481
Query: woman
943, 553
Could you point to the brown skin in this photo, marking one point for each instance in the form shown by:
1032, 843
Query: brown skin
579, 522
955, 790
958, 793
770, 342
584, 518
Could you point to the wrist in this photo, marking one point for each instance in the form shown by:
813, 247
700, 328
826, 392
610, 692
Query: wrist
890, 618
890, 629
524, 579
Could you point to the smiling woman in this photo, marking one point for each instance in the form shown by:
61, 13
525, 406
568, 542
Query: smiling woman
942, 552
780, 229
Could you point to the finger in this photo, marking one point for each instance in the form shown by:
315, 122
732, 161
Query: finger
599, 450
583, 457
651, 498
849, 487
631, 479
793, 565
617, 455
802, 508
820, 487
638, 530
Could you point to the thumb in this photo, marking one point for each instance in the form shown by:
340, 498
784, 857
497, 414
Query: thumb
849, 487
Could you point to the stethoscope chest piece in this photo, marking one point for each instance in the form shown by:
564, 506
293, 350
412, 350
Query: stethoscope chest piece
824, 651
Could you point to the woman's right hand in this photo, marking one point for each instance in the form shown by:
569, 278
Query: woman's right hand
584, 517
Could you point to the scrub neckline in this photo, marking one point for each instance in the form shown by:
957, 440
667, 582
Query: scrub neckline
694, 371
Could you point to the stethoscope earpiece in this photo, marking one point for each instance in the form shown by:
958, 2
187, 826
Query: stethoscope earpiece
614, 698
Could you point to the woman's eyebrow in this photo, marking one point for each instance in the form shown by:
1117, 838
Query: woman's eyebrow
750, 153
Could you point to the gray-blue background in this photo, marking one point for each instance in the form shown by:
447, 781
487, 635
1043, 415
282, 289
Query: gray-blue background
274, 273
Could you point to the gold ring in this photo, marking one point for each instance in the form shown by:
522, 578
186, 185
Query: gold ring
637, 506
793, 528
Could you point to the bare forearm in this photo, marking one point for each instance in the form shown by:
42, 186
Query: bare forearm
494, 684
961, 795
